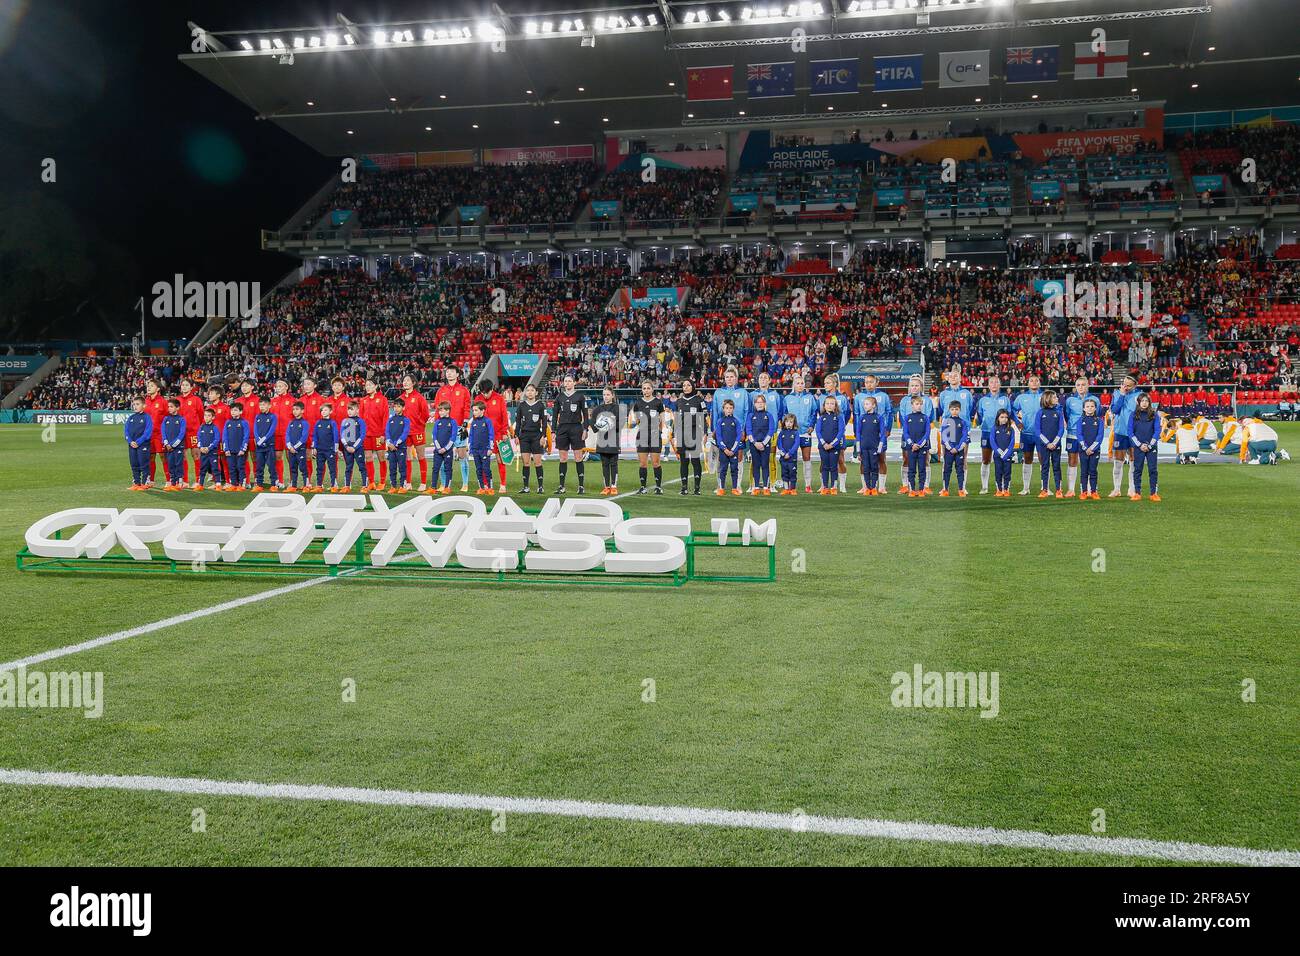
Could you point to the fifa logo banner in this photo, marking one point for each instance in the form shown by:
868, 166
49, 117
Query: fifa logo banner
342, 535
898, 72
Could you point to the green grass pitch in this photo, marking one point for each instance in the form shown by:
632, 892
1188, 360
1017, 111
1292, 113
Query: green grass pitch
1119, 690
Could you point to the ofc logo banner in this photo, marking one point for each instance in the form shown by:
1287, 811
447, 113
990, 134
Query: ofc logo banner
833, 76
966, 68
898, 72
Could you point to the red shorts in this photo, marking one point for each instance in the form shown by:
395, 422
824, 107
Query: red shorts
371, 443
192, 441
155, 445
418, 431
279, 443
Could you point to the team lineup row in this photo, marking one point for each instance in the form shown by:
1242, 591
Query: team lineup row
253, 439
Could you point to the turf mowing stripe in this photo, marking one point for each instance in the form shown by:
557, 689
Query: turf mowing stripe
1175, 851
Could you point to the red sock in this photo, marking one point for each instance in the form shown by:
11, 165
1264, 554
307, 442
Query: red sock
424, 471
501, 472
408, 471
383, 472
153, 466
185, 470
370, 472
279, 471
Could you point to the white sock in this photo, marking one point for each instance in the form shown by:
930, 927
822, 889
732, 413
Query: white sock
839, 482
1074, 474
1026, 474
1131, 469
984, 477
1117, 473
880, 485
807, 473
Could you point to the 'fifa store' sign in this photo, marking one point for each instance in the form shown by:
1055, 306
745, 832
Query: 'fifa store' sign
570, 535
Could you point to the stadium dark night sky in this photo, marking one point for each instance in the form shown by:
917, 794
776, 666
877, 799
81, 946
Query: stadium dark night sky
158, 171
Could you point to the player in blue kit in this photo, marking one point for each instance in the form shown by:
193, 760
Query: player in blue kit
885, 409
728, 436
265, 426
759, 430
802, 404
296, 435
352, 439
916, 440
1049, 426
173, 443
787, 453
234, 442
871, 429
954, 437
396, 432
1074, 403
1003, 440
1146, 425
1090, 433
138, 432
986, 414
1122, 403
1025, 411
915, 385
729, 391
829, 431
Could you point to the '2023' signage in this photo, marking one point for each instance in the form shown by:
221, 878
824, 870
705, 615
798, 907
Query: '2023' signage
565, 535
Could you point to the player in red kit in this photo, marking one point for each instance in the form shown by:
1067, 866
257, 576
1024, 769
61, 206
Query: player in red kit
155, 406
457, 396
282, 409
338, 401
417, 410
191, 409
312, 402
499, 415
220, 415
374, 412
250, 404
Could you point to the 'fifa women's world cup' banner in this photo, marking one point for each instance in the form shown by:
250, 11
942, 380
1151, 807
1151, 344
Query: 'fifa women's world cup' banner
1080, 143
517, 156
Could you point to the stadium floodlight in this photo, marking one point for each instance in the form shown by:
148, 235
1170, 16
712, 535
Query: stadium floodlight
245, 44
691, 16
465, 32
600, 23
408, 36
531, 28
853, 6
724, 16
578, 25
299, 43
747, 12
704, 16
548, 27
379, 37
314, 43
652, 20
278, 43
637, 21
442, 34
349, 39
331, 40
566, 26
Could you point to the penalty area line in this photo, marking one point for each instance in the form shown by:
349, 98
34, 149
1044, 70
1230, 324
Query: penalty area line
1170, 850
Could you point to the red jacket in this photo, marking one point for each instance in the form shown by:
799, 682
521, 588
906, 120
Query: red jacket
458, 396
282, 409
497, 413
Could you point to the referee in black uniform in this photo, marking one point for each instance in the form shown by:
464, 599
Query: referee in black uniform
690, 431
647, 412
570, 417
531, 422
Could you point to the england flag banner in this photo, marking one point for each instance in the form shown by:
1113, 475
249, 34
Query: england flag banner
1111, 62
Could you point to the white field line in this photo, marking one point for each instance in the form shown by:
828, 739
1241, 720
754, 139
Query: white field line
1174, 851
193, 615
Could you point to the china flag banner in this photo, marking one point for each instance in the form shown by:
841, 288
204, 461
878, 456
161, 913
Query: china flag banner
708, 83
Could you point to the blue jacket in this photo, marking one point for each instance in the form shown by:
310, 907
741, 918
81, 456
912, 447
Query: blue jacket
1146, 431
916, 431
759, 426
482, 436
829, 431
138, 428
803, 406
1003, 441
325, 436
173, 431
872, 431
1091, 433
787, 442
397, 430
234, 437
443, 437
962, 396
352, 433
905, 408
1122, 408
987, 408
771, 401
727, 432
296, 433
1049, 425
1074, 410
737, 395
209, 438
1025, 411
884, 406
264, 426
953, 436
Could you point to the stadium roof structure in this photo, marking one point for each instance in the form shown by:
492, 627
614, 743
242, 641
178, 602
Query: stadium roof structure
533, 79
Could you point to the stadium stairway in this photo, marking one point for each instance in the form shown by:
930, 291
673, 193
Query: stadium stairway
1019, 185
12, 399
1182, 185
